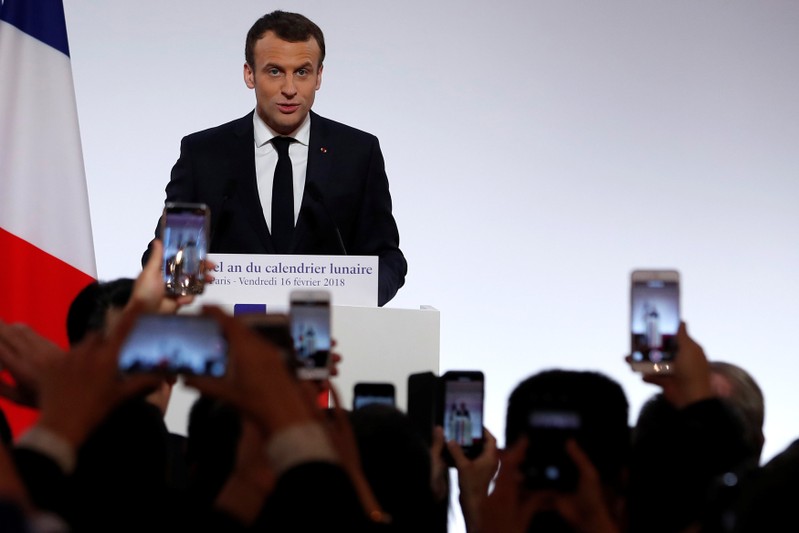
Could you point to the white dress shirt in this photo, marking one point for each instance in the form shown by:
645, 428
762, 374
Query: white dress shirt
266, 161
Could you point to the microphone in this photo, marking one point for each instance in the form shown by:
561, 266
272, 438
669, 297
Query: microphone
316, 195
230, 189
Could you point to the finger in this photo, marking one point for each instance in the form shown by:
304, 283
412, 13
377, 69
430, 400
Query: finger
136, 384
209, 386
579, 458
458, 457
437, 446
339, 413
514, 456
490, 442
12, 337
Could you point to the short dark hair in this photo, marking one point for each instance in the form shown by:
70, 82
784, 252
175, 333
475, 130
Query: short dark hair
291, 27
88, 309
604, 434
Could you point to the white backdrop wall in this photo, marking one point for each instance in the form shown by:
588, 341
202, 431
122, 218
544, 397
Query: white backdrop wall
537, 152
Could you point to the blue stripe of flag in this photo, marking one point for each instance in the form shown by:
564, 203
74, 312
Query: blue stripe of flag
41, 19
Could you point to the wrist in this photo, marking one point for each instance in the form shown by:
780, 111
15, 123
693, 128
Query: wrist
51, 443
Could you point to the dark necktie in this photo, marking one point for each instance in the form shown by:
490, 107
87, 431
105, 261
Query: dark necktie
282, 197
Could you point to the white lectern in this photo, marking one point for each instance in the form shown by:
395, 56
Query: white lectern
377, 344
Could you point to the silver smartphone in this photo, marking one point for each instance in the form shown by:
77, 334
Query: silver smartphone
184, 232
654, 319
309, 312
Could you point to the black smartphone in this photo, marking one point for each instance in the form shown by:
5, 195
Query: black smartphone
547, 464
309, 312
175, 344
422, 402
368, 393
460, 410
654, 320
184, 232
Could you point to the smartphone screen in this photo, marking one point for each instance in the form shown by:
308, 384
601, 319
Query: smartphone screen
175, 344
310, 330
654, 319
369, 393
547, 464
185, 236
461, 407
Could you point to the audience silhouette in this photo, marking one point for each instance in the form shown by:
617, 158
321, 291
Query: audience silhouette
261, 455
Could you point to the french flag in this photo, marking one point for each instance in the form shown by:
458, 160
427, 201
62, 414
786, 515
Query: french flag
45, 226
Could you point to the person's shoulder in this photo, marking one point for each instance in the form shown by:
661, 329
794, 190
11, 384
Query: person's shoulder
239, 126
340, 129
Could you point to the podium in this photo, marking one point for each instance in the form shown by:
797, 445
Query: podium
376, 344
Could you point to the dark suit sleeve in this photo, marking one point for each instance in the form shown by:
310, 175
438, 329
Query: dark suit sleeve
44, 480
179, 189
377, 230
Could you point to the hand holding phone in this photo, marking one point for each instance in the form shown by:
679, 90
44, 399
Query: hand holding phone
654, 320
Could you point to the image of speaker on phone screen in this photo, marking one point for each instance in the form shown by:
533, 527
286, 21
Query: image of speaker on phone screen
185, 233
654, 319
460, 410
309, 312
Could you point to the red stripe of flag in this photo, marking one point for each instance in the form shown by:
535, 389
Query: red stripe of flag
35, 289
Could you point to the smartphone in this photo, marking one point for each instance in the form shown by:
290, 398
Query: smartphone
184, 232
175, 344
422, 402
547, 464
309, 312
460, 410
654, 320
369, 393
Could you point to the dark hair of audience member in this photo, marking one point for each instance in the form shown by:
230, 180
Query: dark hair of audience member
214, 430
397, 464
121, 470
88, 310
604, 433
740, 390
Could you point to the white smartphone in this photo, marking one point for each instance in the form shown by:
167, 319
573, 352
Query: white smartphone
184, 231
654, 320
309, 313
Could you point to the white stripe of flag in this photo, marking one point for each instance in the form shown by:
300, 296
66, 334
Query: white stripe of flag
45, 225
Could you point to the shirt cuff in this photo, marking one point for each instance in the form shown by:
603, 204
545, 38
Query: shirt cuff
303, 443
52, 445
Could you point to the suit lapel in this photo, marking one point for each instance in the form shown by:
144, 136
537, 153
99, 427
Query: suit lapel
242, 161
319, 163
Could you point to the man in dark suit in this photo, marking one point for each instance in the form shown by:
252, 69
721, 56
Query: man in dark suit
339, 188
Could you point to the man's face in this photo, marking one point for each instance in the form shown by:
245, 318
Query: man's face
285, 77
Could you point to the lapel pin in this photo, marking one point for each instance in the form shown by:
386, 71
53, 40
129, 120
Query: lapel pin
323, 150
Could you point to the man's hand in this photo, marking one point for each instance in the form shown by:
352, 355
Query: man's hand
25, 355
689, 382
